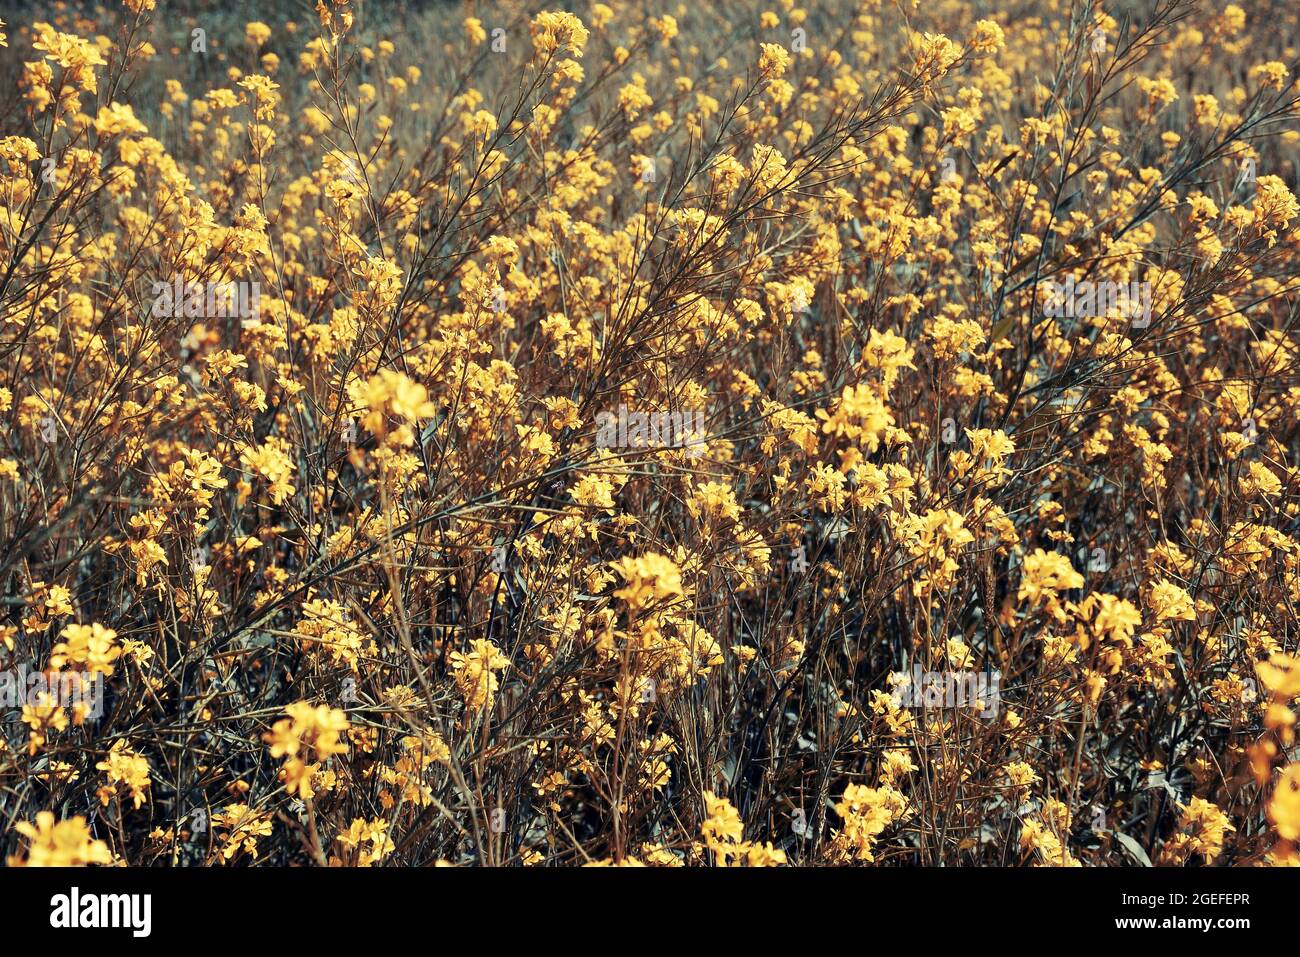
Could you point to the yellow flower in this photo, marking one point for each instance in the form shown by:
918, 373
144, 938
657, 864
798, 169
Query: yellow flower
1207, 826
308, 726
558, 31
271, 460
59, 844
865, 812
118, 118
1270, 75
1045, 574
476, 672
257, 33
988, 38
723, 822
716, 501
1284, 807
1169, 602
1280, 676
665, 26
92, 647
649, 577
242, 826
396, 394
124, 766
774, 60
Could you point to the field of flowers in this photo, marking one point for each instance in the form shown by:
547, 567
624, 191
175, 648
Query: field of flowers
753, 433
